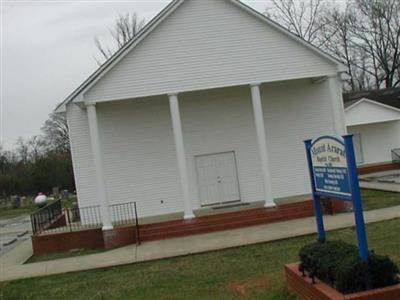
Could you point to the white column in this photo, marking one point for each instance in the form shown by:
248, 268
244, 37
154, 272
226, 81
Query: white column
262, 143
180, 154
336, 97
98, 166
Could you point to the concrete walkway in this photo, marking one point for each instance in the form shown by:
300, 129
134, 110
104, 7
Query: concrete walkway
381, 186
12, 267
377, 181
13, 231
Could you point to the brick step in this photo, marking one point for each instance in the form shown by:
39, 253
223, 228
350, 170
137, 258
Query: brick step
204, 228
200, 220
209, 218
266, 218
199, 231
228, 217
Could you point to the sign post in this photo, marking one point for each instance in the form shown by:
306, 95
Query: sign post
316, 198
333, 173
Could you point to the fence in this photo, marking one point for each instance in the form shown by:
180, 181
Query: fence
43, 218
396, 155
80, 219
53, 219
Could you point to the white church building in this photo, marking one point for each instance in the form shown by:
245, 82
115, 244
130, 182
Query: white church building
209, 104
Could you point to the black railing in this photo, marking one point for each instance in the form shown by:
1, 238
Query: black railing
44, 217
396, 155
82, 218
123, 214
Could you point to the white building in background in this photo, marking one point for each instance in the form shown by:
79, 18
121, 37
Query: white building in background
373, 117
208, 105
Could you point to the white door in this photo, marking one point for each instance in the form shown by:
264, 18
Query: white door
217, 178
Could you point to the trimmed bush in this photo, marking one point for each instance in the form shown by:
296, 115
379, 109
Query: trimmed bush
337, 263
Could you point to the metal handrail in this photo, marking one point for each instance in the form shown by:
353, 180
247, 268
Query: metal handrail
42, 218
81, 218
395, 155
137, 225
123, 213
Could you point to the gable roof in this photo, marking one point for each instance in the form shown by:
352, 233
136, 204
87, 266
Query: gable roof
121, 53
365, 111
352, 104
389, 97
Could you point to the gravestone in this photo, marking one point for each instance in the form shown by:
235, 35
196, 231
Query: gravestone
15, 201
24, 201
56, 192
64, 194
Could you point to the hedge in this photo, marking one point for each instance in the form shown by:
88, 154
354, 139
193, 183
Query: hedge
337, 263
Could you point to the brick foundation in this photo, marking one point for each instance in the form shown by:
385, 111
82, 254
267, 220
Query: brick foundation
233, 220
121, 236
378, 168
303, 288
64, 241
109, 238
83, 239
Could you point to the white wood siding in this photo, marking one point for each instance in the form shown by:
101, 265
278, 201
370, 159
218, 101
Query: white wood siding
139, 155
293, 112
208, 44
81, 152
138, 147
377, 140
366, 112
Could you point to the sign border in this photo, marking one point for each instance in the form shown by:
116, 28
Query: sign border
325, 193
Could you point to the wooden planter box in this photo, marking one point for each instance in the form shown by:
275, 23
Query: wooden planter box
303, 288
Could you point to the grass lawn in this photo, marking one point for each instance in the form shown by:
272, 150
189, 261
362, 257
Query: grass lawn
373, 199
249, 272
8, 213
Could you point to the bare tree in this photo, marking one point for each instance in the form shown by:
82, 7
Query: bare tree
55, 131
338, 40
363, 34
125, 28
30, 150
302, 17
22, 150
377, 33
7, 160
37, 147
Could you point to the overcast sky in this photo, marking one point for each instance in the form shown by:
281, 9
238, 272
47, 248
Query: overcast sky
47, 50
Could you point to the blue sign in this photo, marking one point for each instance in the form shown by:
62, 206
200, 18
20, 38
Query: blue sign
333, 174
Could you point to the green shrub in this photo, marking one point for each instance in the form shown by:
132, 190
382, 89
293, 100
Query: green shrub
338, 264
321, 259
